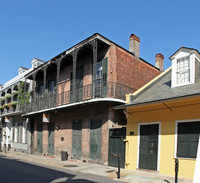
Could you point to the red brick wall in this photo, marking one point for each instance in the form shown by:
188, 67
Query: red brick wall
128, 70
64, 120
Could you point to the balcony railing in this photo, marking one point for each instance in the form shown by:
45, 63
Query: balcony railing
11, 110
46, 101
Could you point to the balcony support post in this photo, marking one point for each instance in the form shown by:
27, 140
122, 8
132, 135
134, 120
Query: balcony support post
94, 46
25, 94
58, 74
44, 81
74, 74
57, 80
33, 89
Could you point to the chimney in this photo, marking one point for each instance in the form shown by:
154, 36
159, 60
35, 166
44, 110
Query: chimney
134, 45
159, 61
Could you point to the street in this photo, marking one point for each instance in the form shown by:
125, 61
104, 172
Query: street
13, 170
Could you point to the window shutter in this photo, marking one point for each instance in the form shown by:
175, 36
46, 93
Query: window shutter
104, 74
182, 149
194, 139
188, 138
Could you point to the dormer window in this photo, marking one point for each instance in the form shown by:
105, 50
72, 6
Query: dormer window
183, 70
185, 67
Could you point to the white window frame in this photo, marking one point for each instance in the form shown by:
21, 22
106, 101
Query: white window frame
159, 142
179, 70
191, 68
176, 135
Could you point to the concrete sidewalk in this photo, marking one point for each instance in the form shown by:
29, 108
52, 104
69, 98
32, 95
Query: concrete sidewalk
101, 170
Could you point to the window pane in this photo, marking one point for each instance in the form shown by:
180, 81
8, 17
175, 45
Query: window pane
183, 71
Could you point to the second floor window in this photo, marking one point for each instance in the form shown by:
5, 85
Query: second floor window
98, 75
183, 70
51, 87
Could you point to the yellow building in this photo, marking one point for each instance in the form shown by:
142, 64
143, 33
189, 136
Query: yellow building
164, 118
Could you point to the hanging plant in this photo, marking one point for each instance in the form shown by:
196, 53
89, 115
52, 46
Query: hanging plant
1, 107
14, 103
2, 98
6, 106
8, 95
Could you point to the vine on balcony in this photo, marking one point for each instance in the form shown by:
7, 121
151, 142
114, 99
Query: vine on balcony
23, 96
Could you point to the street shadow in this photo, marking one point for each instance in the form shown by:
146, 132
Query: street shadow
12, 170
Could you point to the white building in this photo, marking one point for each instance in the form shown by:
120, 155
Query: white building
14, 129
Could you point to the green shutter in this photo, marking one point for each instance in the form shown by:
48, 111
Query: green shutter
76, 139
104, 76
188, 138
95, 140
194, 139
182, 149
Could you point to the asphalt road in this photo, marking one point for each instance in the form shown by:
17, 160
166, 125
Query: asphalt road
15, 171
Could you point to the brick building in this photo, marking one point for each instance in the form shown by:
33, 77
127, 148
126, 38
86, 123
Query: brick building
73, 97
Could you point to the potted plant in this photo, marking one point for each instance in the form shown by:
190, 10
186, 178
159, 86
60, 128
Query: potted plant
6, 106
13, 104
8, 95
2, 98
1, 108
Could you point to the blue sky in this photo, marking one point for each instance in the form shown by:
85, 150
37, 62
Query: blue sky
45, 28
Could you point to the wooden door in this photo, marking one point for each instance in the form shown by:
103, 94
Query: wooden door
116, 147
148, 146
51, 127
95, 140
77, 139
40, 138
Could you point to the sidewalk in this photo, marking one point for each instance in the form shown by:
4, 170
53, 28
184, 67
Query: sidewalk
101, 170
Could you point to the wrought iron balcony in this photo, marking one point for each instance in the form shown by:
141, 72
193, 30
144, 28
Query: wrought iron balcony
10, 111
47, 101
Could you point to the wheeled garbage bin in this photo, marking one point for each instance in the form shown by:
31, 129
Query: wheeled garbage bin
64, 155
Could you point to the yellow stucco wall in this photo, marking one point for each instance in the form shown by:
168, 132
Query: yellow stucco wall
184, 110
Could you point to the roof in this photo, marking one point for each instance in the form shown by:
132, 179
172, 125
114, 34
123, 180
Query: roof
186, 48
94, 36
160, 89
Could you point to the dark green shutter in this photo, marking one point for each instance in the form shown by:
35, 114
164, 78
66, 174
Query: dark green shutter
95, 140
194, 139
188, 138
40, 138
51, 127
104, 76
77, 139
182, 150
148, 154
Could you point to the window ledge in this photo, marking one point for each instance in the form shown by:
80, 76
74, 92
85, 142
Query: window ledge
181, 158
